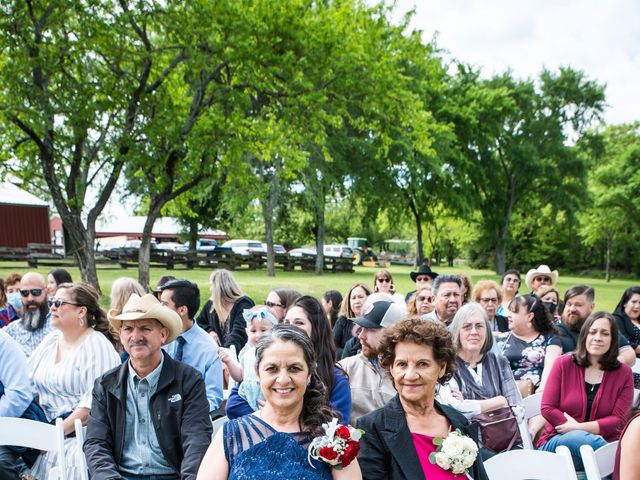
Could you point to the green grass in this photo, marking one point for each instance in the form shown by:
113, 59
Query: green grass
257, 284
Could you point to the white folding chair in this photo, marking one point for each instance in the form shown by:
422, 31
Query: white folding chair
20, 432
636, 366
234, 356
80, 434
217, 424
531, 406
600, 463
531, 464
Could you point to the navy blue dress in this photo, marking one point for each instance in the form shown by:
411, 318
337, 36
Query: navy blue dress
255, 450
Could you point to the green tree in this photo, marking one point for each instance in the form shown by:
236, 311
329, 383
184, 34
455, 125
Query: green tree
74, 76
614, 187
515, 138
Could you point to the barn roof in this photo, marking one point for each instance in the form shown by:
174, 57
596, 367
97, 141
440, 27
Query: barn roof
13, 195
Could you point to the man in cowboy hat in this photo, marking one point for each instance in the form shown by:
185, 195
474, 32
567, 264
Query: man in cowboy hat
424, 276
150, 416
540, 276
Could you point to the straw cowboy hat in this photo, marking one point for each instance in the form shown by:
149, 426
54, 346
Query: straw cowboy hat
423, 270
542, 270
147, 307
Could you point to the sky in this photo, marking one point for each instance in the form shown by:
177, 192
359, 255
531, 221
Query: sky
599, 37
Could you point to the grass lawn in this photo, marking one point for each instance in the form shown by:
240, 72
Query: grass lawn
257, 284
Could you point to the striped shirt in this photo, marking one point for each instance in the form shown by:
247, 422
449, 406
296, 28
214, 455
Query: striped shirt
29, 341
64, 386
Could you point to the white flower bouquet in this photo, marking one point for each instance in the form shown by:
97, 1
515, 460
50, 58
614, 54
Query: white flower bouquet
456, 452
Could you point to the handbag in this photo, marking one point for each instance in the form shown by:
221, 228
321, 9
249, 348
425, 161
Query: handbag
498, 429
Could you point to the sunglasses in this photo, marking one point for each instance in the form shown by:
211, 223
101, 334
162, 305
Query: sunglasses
384, 280
54, 302
271, 304
422, 298
36, 292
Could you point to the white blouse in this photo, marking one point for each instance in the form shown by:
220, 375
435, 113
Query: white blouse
64, 386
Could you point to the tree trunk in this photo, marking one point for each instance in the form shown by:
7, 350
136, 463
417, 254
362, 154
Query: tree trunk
501, 258
193, 234
320, 238
144, 255
82, 244
607, 267
268, 209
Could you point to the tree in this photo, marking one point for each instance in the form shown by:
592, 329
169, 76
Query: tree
515, 138
614, 187
73, 78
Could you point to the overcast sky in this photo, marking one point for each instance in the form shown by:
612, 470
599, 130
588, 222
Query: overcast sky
600, 37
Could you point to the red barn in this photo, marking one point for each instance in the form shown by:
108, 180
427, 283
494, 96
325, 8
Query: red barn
24, 218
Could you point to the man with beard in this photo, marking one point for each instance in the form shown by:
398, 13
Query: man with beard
448, 298
34, 323
371, 387
579, 303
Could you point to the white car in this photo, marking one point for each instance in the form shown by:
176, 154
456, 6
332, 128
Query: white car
299, 252
245, 247
278, 249
338, 251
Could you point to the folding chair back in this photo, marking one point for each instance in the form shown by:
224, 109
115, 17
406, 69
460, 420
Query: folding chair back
531, 464
531, 406
80, 434
20, 432
600, 463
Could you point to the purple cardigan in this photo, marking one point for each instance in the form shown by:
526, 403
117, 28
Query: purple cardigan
565, 392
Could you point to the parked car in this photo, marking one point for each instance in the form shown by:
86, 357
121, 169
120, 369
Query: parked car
338, 251
206, 245
279, 249
298, 252
175, 246
245, 247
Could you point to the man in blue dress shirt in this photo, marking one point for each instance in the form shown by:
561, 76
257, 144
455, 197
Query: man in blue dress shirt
15, 397
194, 346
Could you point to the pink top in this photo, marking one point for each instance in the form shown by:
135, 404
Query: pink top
424, 447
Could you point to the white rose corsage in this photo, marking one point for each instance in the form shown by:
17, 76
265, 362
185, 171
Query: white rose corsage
338, 446
456, 452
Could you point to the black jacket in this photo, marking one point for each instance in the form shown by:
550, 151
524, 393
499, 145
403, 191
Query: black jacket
626, 327
183, 426
386, 448
234, 330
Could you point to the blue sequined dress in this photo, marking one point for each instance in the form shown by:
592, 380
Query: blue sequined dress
255, 450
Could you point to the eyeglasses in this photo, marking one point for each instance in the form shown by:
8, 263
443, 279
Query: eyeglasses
384, 280
423, 278
467, 327
36, 292
271, 304
512, 279
489, 300
55, 302
422, 298
542, 279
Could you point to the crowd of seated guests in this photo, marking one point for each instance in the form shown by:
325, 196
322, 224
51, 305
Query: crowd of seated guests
404, 369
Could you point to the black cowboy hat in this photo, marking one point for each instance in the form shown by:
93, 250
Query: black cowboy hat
423, 270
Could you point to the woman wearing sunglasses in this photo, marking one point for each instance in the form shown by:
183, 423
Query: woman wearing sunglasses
383, 282
65, 365
279, 300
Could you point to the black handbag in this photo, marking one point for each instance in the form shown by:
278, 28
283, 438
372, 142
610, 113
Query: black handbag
498, 429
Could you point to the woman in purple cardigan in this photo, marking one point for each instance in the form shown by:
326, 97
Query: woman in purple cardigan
588, 393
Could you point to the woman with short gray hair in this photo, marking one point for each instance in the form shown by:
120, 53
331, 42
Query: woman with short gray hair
482, 375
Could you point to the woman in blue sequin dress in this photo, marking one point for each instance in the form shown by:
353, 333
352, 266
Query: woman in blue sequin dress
272, 442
